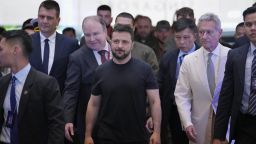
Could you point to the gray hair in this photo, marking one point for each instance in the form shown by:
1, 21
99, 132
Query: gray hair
96, 19
211, 17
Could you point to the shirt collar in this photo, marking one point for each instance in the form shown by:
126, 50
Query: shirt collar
106, 48
252, 48
181, 53
215, 52
22, 74
51, 37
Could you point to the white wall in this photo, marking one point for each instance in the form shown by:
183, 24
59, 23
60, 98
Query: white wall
14, 12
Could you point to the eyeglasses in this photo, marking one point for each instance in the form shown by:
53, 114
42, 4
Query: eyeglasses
207, 32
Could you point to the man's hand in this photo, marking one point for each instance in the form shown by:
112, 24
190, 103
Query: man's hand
149, 125
217, 141
191, 133
155, 138
69, 131
88, 140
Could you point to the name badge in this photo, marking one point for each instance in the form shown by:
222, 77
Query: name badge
10, 119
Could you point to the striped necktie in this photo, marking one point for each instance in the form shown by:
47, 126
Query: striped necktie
252, 97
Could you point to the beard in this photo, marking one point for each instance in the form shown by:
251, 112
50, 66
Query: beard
120, 57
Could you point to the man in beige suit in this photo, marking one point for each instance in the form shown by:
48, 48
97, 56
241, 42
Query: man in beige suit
199, 81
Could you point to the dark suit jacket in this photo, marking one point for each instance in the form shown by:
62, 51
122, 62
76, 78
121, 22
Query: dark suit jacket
64, 46
231, 93
40, 117
167, 76
241, 41
167, 82
78, 85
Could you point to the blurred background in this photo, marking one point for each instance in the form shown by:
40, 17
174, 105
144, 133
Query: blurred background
14, 12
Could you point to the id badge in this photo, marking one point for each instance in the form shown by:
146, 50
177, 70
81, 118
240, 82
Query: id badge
10, 119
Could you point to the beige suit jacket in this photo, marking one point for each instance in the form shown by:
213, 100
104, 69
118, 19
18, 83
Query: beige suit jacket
192, 93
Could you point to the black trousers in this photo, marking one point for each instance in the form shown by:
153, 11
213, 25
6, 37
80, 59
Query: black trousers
246, 130
105, 141
171, 120
178, 135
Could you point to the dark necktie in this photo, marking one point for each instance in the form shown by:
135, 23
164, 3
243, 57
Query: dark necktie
14, 130
103, 55
252, 97
179, 64
210, 74
46, 55
182, 57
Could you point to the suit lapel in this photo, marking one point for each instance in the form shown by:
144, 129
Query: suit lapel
219, 77
242, 62
26, 92
58, 50
173, 64
3, 88
200, 66
90, 57
37, 49
221, 65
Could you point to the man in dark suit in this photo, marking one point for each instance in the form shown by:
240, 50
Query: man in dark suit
184, 35
51, 49
237, 97
81, 67
30, 103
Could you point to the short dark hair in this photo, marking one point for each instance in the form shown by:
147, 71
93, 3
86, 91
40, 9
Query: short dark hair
163, 24
124, 28
184, 23
185, 11
139, 17
104, 7
69, 29
51, 4
126, 15
241, 24
19, 36
248, 11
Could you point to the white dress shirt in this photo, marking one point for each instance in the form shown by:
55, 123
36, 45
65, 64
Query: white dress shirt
21, 76
108, 54
52, 42
215, 59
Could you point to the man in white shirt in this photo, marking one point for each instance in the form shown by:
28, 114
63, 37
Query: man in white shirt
30, 101
51, 49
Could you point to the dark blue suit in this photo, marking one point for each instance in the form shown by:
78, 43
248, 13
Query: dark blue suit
78, 85
230, 101
40, 115
167, 82
64, 46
